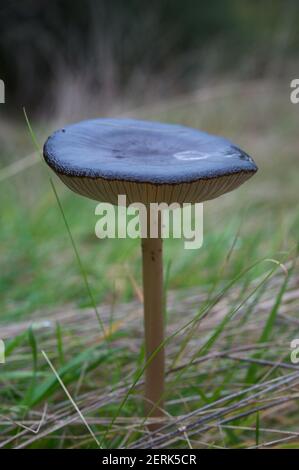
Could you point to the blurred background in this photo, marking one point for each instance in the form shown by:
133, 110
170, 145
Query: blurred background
221, 66
64, 55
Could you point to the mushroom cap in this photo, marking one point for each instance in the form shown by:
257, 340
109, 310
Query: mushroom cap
146, 161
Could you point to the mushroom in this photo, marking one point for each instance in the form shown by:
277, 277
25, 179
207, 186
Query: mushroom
147, 162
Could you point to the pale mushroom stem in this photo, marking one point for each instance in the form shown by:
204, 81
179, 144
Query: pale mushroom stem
152, 264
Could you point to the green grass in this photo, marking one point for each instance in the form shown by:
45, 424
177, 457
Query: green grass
229, 294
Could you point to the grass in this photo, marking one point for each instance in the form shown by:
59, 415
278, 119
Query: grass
231, 310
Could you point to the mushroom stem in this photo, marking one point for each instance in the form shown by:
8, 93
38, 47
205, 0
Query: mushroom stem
153, 320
